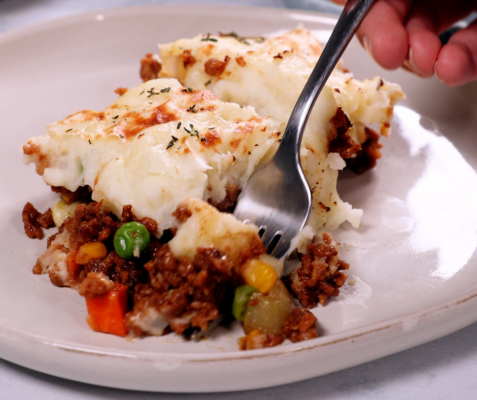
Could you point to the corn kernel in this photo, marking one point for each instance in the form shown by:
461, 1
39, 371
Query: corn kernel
259, 275
91, 251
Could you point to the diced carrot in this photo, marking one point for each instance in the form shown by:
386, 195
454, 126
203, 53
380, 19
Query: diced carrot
106, 313
72, 264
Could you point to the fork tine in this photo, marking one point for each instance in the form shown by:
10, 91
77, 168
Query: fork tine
281, 248
268, 236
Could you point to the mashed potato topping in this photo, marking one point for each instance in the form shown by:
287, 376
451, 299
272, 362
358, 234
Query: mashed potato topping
269, 75
155, 145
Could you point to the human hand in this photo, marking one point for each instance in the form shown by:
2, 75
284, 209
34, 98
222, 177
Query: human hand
406, 33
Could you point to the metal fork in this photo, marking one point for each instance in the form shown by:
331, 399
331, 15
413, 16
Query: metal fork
277, 197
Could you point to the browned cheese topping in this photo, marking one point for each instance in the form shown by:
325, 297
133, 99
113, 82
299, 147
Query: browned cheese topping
215, 67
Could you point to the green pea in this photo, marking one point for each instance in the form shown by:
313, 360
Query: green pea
130, 239
241, 299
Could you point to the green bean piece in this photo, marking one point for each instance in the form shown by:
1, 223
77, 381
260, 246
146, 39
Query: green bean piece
130, 239
241, 299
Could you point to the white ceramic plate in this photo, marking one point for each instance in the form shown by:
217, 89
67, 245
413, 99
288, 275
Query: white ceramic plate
413, 257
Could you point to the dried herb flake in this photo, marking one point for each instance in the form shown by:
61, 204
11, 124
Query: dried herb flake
208, 39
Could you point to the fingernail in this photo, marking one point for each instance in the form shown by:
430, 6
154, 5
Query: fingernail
435, 72
409, 64
367, 44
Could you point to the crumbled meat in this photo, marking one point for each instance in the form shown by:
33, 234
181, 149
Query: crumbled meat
188, 293
127, 215
37, 269
228, 203
151, 225
150, 68
95, 284
167, 293
366, 158
83, 192
33, 221
254, 250
53, 237
205, 312
187, 58
257, 340
90, 223
215, 67
342, 143
127, 272
120, 91
318, 278
300, 325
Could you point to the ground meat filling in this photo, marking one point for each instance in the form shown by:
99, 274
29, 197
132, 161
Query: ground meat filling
343, 144
258, 340
300, 325
117, 269
150, 68
128, 216
228, 203
169, 294
95, 284
181, 293
89, 224
318, 278
33, 221
92, 224
367, 157
83, 192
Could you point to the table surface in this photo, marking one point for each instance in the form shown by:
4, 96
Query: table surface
443, 369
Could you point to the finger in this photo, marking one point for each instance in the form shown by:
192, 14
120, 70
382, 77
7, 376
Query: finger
383, 34
457, 60
422, 25
444, 13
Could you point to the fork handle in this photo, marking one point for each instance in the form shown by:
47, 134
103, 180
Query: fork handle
352, 15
